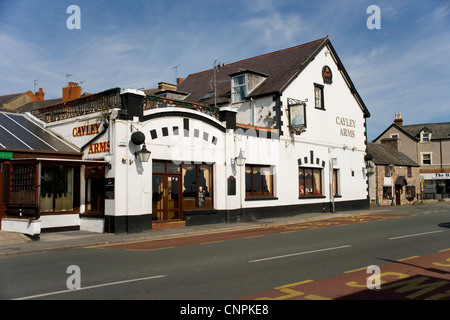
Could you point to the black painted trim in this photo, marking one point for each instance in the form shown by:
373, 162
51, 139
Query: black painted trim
184, 115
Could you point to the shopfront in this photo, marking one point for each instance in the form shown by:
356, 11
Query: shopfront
435, 185
180, 187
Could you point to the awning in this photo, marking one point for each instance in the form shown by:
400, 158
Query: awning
401, 181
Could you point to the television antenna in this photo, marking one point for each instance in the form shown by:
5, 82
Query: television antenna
217, 66
35, 84
176, 72
67, 77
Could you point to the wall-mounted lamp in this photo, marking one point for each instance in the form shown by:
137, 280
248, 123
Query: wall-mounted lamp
143, 155
240, 159
370, 169
108, 160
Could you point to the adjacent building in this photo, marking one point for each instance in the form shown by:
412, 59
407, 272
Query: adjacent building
393, 176
428, 144
274, 135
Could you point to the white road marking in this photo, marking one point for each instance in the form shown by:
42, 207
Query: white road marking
299, 253
90, 287
414, 235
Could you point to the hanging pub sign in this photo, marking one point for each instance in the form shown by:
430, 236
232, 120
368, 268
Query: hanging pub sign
297, 115
327, 75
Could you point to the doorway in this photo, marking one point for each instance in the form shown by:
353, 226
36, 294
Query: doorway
166, 199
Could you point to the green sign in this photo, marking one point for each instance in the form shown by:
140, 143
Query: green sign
6, 155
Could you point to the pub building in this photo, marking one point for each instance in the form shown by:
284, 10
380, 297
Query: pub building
279, 134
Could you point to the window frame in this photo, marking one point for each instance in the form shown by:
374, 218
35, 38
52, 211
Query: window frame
235, 93
259, 195
422, 154
387, 192
302, 192
336, 183
422, 137
320, 99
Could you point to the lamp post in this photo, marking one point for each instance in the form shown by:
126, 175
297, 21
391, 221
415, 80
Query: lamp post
392, 170
240, 161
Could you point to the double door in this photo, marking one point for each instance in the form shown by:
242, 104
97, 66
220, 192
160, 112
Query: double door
166, 199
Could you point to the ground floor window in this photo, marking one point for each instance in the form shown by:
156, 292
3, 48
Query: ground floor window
177, 187
310, 182
410, 192
258, 181
197, 185
336, 191
387, 192
23, 184
57, 188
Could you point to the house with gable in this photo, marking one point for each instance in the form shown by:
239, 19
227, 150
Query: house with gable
279, 134
428, 144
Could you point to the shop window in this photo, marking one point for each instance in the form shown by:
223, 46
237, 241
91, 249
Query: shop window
318, 96
57, 188
197, 186
310, 182
239, 88
258, 181
387, 192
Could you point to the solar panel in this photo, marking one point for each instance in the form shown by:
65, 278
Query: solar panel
17, 132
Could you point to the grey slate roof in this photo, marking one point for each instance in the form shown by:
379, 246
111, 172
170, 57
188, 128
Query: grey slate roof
438, 130
280, 67
385, 155
19, 133
30, 106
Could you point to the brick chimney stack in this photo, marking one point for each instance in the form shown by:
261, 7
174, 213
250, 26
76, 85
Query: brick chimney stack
71, 92
398, 119
162, 86
40, 95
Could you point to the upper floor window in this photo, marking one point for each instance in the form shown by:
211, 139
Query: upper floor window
318, 96
239, 89
426, 158
425, 137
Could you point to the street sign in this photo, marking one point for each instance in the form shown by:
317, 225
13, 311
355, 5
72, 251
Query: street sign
6, 155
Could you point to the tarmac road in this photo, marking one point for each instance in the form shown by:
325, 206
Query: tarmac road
265, 259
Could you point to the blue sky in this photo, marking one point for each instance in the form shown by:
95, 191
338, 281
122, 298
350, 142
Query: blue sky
402, 67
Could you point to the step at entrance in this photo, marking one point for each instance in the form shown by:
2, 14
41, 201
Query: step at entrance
168, 225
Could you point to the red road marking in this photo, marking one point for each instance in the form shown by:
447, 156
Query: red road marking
246, 233
416, 278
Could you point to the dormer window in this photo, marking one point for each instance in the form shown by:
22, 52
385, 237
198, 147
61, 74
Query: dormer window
425, 136
239, 88
245, 82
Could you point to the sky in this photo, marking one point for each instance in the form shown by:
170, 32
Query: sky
402, 66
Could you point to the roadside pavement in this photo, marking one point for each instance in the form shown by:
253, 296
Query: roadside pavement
15, 243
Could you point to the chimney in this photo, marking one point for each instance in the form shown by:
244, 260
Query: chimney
71, 92
162, 86
179, 80
398, 119
40, 95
